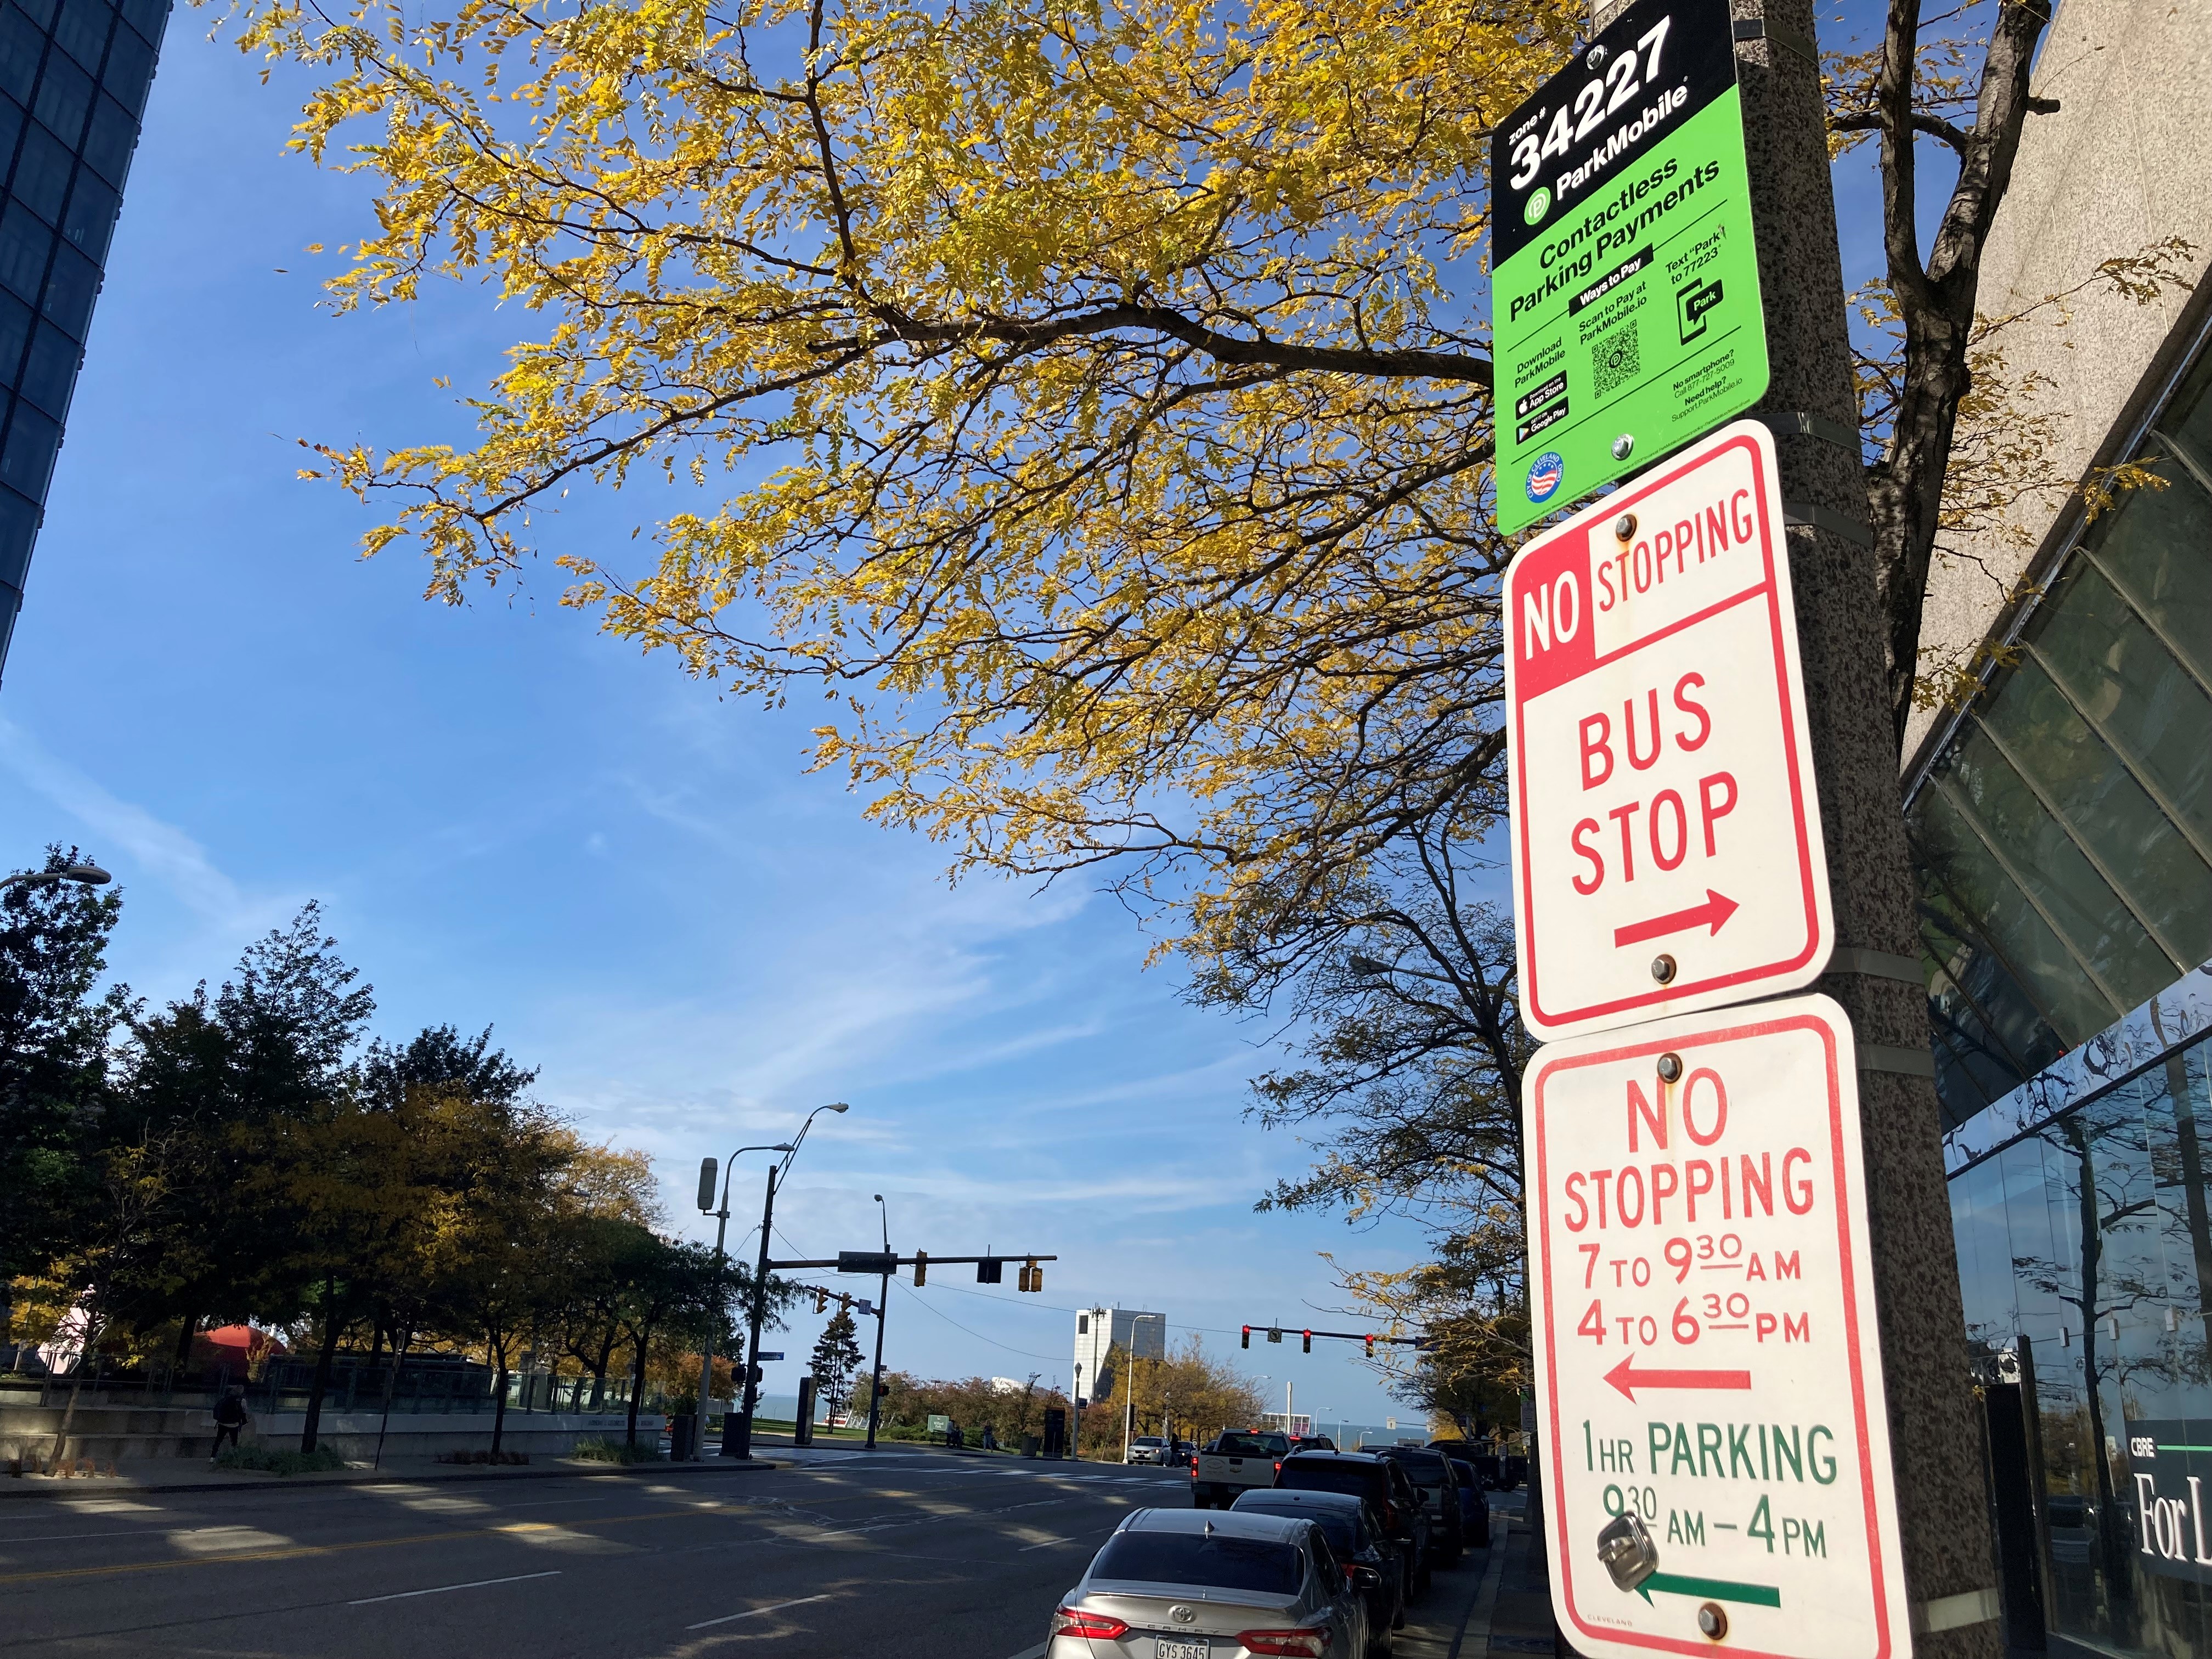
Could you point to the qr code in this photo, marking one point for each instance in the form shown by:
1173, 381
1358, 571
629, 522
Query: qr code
1615, 359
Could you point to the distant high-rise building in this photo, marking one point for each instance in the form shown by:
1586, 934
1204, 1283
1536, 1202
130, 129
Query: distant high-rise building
1100, 1330
73, 80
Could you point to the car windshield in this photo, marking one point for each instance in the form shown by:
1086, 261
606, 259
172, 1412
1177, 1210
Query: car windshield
1326, 1474
1426, 1467
1252, 1445
1148, 1440
1338, 1526
1264, 1564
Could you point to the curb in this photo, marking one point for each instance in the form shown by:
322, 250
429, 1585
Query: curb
49, 1487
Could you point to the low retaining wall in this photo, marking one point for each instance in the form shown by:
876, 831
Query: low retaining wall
119, 1432
427, 1434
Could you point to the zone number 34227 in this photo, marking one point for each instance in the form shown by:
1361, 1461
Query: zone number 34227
1600, 96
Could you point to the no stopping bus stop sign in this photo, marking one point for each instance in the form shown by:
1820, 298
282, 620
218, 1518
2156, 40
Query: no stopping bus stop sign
1666, 846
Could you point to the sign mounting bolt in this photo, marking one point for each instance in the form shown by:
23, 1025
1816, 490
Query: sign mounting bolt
1712, 1621
1623, 526
1670, 1067
1623, 446
1662, 968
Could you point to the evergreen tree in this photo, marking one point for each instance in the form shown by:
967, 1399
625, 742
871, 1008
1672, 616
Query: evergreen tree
836, 1360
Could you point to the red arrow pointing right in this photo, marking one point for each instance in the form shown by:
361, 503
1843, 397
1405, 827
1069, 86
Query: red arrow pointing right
1627, 1379
1717, 910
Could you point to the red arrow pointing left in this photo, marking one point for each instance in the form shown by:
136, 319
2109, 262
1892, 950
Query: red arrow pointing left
1627, 1379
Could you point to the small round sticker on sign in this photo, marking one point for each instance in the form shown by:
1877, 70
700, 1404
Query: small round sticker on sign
1539, 204
1544, 475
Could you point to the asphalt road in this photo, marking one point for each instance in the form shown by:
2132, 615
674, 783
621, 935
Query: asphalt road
918, 1554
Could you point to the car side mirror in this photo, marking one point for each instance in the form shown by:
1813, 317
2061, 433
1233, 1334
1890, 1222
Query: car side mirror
1365, 1578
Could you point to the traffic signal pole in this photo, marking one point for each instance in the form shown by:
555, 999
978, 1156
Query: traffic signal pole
876, 1380
1875, 974
741, 1443
882, 1263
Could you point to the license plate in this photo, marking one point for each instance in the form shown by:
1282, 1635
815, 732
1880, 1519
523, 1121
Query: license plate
1180, 1647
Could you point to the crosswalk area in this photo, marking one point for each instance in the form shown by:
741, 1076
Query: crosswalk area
1020, 1469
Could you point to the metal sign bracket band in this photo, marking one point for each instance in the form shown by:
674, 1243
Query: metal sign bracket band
1802, 424
1877, 964
1954, 1611
1819, 518
1909, 1062
1756, 29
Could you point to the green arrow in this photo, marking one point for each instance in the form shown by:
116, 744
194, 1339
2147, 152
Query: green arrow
1712, 1589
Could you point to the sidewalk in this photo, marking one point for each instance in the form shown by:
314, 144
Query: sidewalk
1456, 1621
162, 1474
1520, 1619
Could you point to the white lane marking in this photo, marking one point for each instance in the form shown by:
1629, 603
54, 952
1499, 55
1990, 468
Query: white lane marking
473, 1583
755, 1613
1048, 1544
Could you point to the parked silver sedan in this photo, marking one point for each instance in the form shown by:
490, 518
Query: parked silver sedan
1193, 1584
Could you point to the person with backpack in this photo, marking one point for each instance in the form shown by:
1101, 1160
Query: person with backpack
230, 1418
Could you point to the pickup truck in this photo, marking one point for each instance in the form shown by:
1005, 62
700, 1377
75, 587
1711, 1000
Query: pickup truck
1235, 1462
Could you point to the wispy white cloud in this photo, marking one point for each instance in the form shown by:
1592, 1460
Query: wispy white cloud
161, 851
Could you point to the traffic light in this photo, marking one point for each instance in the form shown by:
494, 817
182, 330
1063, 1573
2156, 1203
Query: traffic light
920, 1268
1031, 1277
1309, 1347
1247, 1342
990, 1271
706, 1167
1370, 1347
822, 1301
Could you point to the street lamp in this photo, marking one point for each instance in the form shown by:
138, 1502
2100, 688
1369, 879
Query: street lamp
883, 1296
740, 1444
1129, 1394
1367, 968
721, 1226
85, 875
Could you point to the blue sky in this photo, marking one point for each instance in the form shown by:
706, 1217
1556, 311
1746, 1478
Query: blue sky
513, 823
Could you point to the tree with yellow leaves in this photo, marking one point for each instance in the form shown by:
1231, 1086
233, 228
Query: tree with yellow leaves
1090, 400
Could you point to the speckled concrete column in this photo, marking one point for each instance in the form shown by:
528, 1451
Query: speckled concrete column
1935, 1433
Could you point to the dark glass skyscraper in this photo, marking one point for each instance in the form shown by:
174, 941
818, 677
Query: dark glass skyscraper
73, 81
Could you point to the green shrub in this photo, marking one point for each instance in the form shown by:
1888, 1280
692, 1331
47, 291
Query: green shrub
267, 1460
616, 1451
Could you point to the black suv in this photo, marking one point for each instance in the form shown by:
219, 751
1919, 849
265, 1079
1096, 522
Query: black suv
1432, 1473
1390, 1493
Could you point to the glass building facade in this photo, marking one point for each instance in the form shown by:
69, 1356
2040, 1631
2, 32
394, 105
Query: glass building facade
2063, 832
74, 76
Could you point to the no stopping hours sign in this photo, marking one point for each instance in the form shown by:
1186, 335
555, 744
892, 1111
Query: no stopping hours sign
1713, 1429
1666, 846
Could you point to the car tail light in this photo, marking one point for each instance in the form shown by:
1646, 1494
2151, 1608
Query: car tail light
1301, 1643
1068, 1621
1279, 1466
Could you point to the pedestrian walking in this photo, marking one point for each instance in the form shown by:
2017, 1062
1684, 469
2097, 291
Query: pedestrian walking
230, 1417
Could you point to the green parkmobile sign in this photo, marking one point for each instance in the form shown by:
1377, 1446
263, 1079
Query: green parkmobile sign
1625, 286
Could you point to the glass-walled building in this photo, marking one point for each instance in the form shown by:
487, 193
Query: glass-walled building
74, 76
2062, 829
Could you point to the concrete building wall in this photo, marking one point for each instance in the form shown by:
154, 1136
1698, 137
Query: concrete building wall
1098, 1330
2123, 162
